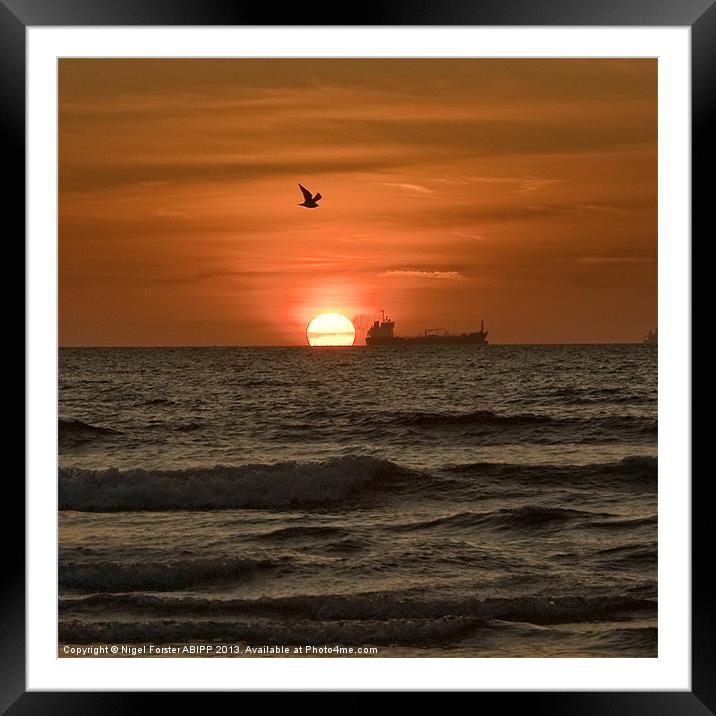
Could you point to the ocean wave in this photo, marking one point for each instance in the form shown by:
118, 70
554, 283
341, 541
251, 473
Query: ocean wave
434, 632
529, 517
475, 417
627, 523
495, 427
629, 556
638, 640
110, 576
76, 432
572, 395
637, 471
301, 532
378, 606
333, 482
619, 424
281, 485
518, 518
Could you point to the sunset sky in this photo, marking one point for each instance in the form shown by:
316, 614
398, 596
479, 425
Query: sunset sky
523, 192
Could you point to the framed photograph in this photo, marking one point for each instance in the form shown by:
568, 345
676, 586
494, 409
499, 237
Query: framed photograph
358, 354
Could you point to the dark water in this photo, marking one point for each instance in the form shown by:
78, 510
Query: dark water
440, 501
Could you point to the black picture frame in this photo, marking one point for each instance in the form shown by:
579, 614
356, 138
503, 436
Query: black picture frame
699, 15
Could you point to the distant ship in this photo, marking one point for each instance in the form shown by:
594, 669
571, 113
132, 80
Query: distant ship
650, 337
381, 334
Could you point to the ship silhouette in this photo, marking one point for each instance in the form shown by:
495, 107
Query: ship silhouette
381, 333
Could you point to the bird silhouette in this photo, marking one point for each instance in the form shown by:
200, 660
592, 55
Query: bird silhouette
310, 202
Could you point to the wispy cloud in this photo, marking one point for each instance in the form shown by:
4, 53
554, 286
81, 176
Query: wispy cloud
521, 183
536, 183
475, 237
431, 275
413, 188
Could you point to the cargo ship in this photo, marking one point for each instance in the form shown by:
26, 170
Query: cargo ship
381, 333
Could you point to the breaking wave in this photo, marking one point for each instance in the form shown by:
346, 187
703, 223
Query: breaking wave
329, 483
281, 485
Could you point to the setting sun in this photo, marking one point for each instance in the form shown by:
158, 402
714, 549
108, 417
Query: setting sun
331, 329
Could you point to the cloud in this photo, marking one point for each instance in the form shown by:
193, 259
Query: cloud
431, 275
475, 237
413, 188
536, 183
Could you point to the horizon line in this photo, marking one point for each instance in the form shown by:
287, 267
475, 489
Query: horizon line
305, 345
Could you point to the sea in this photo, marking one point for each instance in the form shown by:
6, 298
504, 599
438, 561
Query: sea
404, 501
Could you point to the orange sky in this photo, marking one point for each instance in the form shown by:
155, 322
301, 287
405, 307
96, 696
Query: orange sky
523, 192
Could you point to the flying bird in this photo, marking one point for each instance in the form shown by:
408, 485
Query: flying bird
310, 202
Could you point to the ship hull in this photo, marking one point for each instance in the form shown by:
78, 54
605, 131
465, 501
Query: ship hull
472, 340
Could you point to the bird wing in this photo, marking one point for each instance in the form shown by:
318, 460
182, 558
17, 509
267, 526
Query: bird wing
317, 197
306, 193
